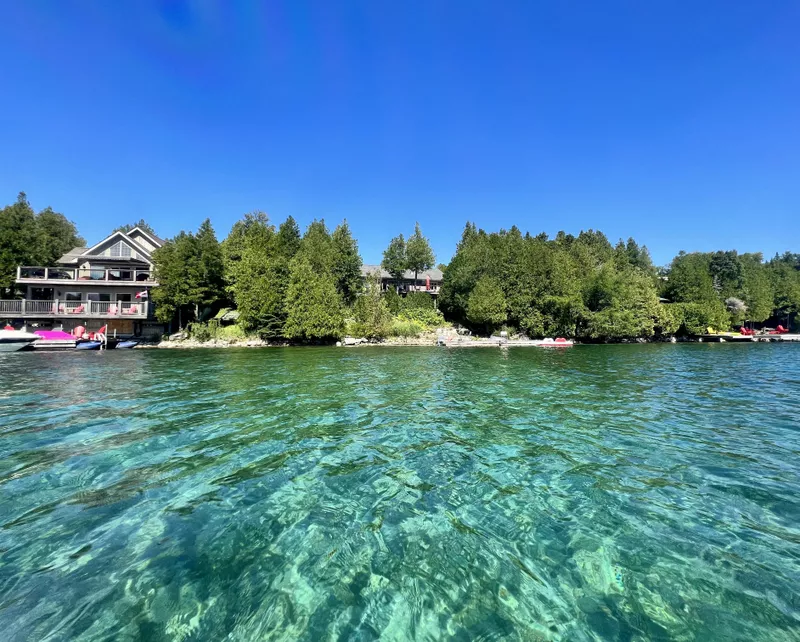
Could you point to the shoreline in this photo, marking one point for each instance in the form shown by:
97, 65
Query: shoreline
190, 344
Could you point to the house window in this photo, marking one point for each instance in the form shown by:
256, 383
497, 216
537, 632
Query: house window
41, 294
72, 296
121, 249
94, 296
123, 298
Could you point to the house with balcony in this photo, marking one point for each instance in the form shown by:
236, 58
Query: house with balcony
429, 281
106, 284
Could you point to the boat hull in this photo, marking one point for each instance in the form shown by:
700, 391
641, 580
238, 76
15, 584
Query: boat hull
127, 345
15, 340
12, 345
88, 345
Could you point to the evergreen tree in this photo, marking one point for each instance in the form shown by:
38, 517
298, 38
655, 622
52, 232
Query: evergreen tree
317, 247
288, 241
419, 255
17, 236
487, 305
313, 306
141, 224
257, 273
394, 258
346, 264
174, 268
210, 286
189, 270
55, 236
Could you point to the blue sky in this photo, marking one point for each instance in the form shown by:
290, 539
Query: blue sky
677, 122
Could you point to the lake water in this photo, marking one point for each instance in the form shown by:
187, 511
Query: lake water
597, 493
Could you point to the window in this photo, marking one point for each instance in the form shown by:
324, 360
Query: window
72, 296
123, 298
41, 294
94, 296
120, 248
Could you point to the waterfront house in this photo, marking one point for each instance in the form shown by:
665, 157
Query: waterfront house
429, 281
106, 284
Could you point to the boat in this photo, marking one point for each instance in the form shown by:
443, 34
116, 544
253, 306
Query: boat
560, 342
127, 344
88, 345
54, 340
12, 340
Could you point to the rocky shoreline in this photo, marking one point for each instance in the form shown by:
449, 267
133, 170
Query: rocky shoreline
429, 339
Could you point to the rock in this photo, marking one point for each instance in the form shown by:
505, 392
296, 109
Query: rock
350, 341
338, 344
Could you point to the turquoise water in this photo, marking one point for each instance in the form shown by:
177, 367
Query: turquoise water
598, 493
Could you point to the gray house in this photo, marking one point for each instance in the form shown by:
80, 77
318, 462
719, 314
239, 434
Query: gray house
106, 284
429, 281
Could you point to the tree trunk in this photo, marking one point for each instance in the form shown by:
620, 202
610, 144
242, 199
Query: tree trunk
180, 321
415, 279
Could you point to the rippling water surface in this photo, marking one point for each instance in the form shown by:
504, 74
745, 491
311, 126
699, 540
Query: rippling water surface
597, 493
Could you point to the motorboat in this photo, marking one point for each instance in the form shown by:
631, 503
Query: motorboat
13, 340
127, 344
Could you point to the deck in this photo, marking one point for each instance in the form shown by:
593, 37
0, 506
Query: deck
28, 309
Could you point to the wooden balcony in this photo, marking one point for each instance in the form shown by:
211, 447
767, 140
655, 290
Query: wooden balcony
84, 276
25, 308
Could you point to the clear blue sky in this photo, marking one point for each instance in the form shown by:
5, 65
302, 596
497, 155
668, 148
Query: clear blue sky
675, 121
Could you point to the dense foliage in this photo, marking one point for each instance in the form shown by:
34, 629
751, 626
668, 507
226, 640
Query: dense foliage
141, 224
27, 238
190, 273
310, 287
583, 286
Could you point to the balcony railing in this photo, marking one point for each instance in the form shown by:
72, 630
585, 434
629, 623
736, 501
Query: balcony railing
111, 275
15, 308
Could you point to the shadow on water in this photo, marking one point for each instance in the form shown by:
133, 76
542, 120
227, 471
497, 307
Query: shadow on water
603, 492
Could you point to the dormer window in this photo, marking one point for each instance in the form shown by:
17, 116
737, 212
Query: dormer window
121, 249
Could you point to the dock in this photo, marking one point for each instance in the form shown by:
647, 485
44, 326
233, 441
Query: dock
744, 338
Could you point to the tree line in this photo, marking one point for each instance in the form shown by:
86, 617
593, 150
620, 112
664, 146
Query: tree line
286, 285
309, 287
584, 287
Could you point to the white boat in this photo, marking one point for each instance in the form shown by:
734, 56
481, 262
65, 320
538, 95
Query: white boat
13, 340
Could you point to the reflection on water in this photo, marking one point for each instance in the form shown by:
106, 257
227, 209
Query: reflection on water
599, 493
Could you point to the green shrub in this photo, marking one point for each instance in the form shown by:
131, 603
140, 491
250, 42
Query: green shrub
418, 300
393, 300
203, 331
231, 333
427, 318
406, 328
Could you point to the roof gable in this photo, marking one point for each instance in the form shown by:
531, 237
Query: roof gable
152, 238
113, 238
